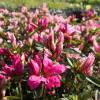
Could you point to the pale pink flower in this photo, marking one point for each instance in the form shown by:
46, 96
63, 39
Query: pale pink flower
87, 65
96, 45
12, 38
59, 45
1, 40
50, 42
24, 9
3, 82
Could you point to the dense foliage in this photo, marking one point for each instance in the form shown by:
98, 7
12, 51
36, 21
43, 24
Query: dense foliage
49, 57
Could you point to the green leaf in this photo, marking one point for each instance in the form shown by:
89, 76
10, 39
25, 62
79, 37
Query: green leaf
9, 45
13, 97
94, 81
70, 63
39, 46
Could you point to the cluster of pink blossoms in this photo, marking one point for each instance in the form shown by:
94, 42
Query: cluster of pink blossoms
44, 47
49, 73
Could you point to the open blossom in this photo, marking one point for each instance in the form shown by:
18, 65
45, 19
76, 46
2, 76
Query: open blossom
52, 69
87, 65
35, 81
53, 81
49, 78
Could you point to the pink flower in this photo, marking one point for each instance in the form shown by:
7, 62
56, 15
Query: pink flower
53, 81
35, 81
59, 45
90, 13
37, 58
1, 40
96, 45
87, 65
43, 23
3, 51
18, 66
67, 28
11, 38
24, 9
52, 69
50, 74
8, 69
90, 38
31, 26
37, 37
50, 42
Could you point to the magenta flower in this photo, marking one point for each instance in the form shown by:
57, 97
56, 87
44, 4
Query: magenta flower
87, 65
35, 81
34, 67
8, 69
52, 69
18, 66
49, 74
53, 82
4, 51
43, 23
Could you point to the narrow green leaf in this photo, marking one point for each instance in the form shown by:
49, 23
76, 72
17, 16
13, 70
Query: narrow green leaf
70, 63
93, 81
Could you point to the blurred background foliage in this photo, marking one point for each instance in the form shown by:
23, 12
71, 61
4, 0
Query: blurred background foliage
54, 4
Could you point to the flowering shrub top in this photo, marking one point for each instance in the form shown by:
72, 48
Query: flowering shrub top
49, 55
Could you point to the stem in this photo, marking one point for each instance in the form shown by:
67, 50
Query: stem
20, 90
34, 94
42, 91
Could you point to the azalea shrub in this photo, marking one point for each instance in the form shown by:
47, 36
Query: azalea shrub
49, 57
